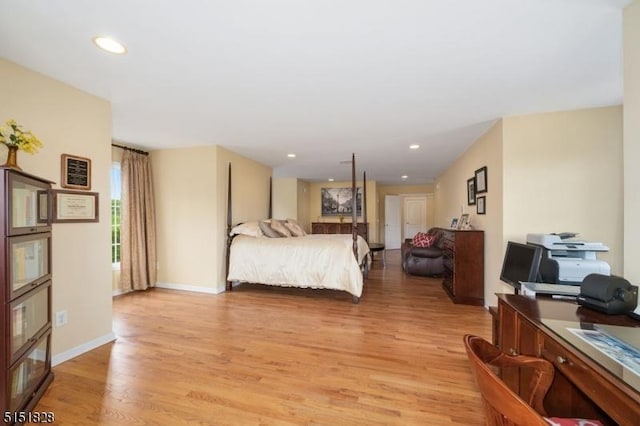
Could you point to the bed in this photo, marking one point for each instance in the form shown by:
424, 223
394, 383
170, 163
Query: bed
318, 261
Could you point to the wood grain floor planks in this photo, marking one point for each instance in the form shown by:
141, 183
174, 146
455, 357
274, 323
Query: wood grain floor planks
278, 356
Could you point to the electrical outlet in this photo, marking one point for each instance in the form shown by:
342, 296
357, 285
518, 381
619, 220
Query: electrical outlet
61, 318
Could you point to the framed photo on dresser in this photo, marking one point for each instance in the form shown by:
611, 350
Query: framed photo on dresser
463, 223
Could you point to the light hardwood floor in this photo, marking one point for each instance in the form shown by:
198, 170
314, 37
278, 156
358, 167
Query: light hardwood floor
264, 355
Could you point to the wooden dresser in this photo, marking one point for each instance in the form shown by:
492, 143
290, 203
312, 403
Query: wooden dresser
463, 258
582, 386
340, 228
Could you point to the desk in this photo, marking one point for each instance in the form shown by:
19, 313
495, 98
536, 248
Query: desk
374, 247
582, 387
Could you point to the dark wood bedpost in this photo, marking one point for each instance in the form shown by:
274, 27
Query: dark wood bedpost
270, 198
364, 206
229, 225
354, 204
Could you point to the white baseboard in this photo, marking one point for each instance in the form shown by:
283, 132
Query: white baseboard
119, 292
186, 287
83, 348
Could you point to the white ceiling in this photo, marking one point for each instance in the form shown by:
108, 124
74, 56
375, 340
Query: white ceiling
325, 78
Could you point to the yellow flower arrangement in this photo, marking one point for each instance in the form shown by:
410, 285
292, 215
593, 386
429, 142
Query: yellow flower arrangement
21, 139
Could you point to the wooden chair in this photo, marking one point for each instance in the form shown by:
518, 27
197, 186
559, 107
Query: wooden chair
502, 405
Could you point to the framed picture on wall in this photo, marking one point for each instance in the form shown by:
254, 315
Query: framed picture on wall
74, 206
481, 206
76, 172
338, 201
471, 191
481, 180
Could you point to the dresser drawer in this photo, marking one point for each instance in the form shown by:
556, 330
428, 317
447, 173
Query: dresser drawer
594, 384
567, 363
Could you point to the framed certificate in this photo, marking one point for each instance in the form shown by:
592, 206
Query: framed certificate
76, 172
74, 206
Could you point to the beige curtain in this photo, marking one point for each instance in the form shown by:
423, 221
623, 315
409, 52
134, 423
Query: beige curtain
138, 224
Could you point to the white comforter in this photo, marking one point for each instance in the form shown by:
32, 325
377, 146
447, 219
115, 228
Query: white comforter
315, 261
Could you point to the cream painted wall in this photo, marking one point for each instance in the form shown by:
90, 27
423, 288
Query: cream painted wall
315, 210
250, 199
69, 121
303, 205
291, 200
549, 172
632, 142
451, 201
186, 205
190, 185
384, 190
562, 173
285, 198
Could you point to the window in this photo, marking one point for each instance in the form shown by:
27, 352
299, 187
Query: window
116, 186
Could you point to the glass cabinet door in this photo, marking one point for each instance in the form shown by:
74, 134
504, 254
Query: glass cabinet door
28, 262
28, 373
29, 205
28, 316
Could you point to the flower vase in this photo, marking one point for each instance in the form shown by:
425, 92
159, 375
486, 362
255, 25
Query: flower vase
12, 158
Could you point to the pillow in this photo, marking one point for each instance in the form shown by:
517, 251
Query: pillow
250, 229
279, 227
267, 230
295, 229
293, 224
290, 220
423, 240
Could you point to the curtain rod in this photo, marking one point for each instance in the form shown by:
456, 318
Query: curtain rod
139, 151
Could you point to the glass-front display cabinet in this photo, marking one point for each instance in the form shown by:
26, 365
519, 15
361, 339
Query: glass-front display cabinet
28, 262
25, 297
29, 204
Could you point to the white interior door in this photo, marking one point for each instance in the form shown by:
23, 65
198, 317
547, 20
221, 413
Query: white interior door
415, 216
392, 222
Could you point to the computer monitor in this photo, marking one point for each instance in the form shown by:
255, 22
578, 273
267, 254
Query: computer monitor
521, 262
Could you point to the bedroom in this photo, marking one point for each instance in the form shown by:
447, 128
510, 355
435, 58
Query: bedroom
78, 253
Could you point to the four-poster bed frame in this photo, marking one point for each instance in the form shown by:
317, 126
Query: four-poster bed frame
361, 258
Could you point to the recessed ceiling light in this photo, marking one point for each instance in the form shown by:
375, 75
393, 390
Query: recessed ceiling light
330, 179
291, 155
110, 45
405, 177
414, 146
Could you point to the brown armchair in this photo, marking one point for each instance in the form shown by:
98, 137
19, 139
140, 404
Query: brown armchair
423, 261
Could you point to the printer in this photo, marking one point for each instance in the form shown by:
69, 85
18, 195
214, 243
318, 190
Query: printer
566, 261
